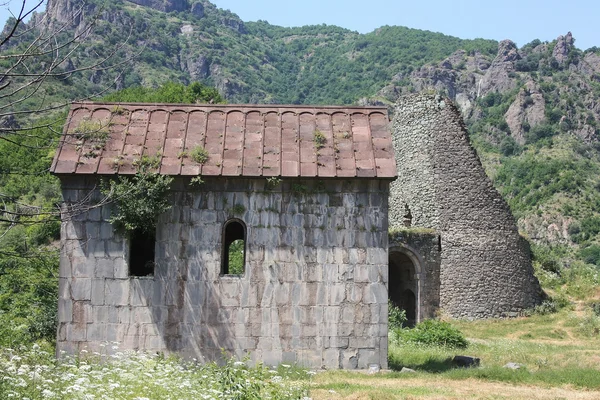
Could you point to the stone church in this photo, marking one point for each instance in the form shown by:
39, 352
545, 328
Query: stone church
315, 202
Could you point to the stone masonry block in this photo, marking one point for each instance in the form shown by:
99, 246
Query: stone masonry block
96, 248
141, 292
361, 273
367, 356
124, 315
331, 359
81, 288
337, 293
96, 332
338, 342
97, 292
116, 292
83, 268
65, 309
375, 293
76, 332
330, 273
142, 315
349, 359
104, 268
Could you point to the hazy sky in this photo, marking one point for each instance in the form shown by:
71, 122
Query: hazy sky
518, 20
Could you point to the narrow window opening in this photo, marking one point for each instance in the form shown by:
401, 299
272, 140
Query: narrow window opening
234, 248
141, 253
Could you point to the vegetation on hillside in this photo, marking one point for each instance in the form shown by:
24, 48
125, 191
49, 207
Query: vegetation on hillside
537, 136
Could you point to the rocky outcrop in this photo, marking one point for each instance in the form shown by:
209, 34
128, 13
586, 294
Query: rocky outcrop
234, 23
163, 5
74, 14
526, 112
8, 123
457, 77
197, 66
198, 10
564, 45
497, 77
547, 229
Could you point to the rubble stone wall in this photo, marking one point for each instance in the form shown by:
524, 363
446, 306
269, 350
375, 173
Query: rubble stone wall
314, 291
485, 264
423, 249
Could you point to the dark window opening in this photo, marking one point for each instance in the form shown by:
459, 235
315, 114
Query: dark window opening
141, 253
234, 248
403, 284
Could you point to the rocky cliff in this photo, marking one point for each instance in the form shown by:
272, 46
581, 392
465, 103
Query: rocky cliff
528, 77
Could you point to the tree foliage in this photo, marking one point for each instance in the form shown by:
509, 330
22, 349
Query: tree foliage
169, 92
138, 201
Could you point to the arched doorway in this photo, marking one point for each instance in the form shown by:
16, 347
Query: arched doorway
404, 285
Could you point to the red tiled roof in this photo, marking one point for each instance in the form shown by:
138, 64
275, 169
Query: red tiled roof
241, 140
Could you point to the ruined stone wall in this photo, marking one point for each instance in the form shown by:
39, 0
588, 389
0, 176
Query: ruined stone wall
423, 249
485, 266
314, 291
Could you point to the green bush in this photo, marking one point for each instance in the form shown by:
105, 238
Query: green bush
591, 254
553, 305
139, 201
433, 333
396, 316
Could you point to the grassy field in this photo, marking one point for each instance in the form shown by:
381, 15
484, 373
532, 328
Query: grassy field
559, 357
558, 354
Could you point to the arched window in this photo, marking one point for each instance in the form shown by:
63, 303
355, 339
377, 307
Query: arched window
233, 255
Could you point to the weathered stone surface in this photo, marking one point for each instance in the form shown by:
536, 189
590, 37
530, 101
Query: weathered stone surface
512, 365
313, 293
466, 361
485, 265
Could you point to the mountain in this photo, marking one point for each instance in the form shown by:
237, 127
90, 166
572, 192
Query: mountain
532, 112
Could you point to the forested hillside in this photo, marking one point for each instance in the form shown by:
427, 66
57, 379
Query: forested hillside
532, 112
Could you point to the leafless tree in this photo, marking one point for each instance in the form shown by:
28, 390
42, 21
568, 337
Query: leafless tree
34, 55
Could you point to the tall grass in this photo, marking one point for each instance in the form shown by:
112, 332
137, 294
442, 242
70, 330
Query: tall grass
35, 374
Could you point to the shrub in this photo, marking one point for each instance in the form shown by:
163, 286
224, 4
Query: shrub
396, 316
139, 201
591, 254
434, 333
553, 305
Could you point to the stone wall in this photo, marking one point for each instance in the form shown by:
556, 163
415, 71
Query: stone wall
422, 247
313, 293
485, 265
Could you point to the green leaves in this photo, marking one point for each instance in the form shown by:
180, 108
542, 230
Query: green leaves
139, 201
434, 333
170, 92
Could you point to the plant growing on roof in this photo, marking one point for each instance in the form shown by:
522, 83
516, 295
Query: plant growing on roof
146, 162
94, 131
199, 154
319, 139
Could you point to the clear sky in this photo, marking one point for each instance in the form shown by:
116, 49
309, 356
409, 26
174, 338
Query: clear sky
519, 20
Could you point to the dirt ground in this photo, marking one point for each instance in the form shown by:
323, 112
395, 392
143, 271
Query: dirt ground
432, 388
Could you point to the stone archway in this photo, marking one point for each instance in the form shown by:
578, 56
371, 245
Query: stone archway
404, 283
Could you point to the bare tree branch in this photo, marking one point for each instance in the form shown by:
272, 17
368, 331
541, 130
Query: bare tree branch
34, 56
